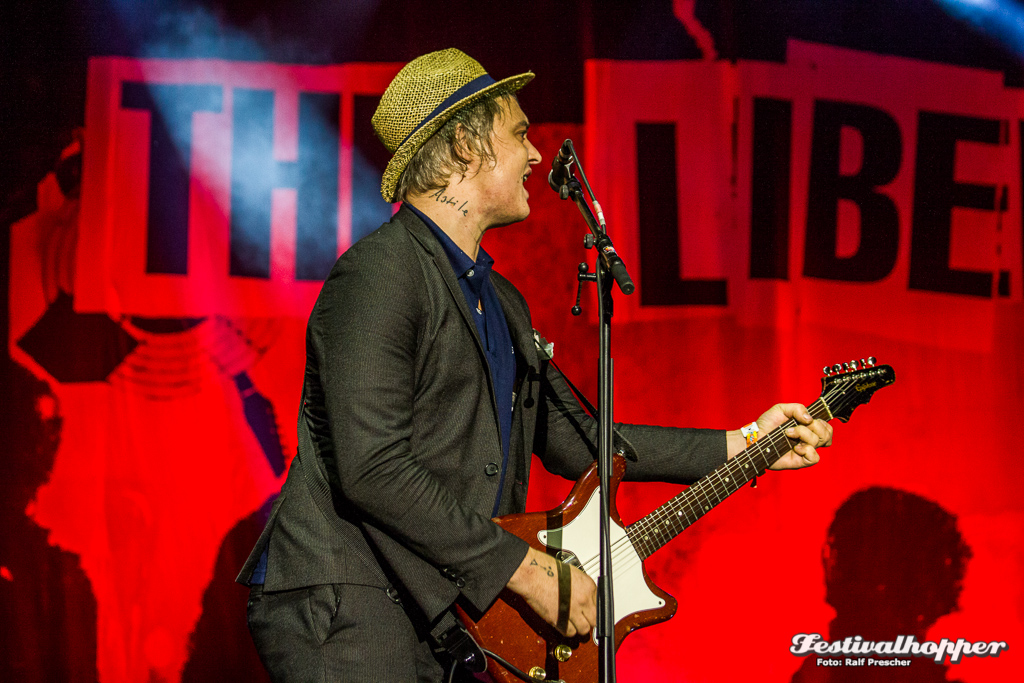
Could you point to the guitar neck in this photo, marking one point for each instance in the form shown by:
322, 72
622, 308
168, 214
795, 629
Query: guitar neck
668, 521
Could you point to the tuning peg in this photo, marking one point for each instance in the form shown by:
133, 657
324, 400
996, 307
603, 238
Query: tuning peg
828, 371
871, 361
837, 368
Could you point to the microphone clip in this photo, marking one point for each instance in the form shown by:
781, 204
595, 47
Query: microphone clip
561, 170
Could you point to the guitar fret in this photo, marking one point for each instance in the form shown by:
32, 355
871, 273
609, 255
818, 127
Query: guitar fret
705, 503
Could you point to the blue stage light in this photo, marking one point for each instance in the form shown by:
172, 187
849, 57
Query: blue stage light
1002, 20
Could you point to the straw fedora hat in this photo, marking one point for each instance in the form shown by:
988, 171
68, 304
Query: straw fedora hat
427, 92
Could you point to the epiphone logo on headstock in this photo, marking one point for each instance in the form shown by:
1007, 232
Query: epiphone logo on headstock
866, 385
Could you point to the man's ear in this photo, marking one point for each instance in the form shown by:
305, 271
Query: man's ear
462, 147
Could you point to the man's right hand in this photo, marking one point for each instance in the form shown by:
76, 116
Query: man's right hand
536, 581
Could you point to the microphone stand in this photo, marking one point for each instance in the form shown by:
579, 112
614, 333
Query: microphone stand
609, 268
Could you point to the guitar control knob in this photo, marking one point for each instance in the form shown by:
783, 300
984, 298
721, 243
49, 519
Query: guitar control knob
538, 673
562, 652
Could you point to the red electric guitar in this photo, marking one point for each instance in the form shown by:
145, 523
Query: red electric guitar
514, 632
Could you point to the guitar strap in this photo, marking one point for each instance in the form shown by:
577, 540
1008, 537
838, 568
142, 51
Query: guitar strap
580, 397
564, 595
628, 453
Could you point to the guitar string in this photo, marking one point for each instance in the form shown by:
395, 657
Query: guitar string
720, 484
675, 507
708, 487
624, 544
819, 409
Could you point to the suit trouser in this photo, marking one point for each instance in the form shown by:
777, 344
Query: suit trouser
338, 632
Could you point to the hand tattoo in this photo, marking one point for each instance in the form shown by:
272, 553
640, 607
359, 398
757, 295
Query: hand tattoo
547, 569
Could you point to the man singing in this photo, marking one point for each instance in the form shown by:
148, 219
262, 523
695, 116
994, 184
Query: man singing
424, 396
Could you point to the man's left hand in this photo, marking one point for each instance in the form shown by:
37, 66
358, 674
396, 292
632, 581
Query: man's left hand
812, 434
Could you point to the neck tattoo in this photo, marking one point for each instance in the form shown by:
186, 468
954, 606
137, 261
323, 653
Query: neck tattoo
443, 198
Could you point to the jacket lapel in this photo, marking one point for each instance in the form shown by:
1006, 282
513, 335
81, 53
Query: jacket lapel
422, 234
517, 315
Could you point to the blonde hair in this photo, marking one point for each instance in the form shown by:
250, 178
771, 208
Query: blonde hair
444, 153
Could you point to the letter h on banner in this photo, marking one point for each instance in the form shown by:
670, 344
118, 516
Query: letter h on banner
314, 175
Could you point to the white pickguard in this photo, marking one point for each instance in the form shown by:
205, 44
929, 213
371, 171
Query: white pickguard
580, 537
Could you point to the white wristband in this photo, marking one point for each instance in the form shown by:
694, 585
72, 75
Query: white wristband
749, 433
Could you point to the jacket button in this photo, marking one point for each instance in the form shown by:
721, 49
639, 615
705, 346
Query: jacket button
460, 582
491, 469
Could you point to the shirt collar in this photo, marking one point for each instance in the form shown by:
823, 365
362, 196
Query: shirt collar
462, 264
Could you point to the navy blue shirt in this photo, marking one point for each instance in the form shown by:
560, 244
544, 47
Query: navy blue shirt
474, 278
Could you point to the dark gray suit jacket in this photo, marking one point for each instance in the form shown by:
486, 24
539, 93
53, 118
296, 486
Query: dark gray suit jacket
398, 425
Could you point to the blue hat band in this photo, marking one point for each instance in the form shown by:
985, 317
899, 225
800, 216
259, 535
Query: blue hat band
474, 86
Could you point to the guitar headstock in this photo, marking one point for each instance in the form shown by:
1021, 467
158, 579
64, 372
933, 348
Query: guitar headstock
846, 386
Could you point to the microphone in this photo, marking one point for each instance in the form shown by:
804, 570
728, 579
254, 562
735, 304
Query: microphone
561, 171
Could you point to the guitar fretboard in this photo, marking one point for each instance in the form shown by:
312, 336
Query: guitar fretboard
668, 521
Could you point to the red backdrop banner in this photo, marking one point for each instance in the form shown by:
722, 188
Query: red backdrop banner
777, 217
